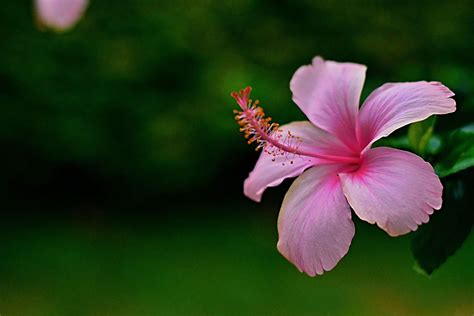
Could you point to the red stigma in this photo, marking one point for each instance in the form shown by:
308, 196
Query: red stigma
242, 97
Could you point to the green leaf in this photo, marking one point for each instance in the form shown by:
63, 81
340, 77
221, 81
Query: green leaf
457, 152
449, 227
419, 134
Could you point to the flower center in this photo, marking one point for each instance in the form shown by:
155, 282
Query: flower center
268, 135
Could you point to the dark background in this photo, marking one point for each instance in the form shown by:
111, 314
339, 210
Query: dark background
122, 167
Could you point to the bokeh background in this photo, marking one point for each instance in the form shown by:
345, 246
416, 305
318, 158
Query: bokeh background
122, 167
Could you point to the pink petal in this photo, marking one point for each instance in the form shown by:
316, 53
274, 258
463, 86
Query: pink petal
393, 188
315, 227
328, 93
394, 105
60, 14
270, 171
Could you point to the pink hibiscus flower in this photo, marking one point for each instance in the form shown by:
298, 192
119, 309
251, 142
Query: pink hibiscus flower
336, 165
60, 15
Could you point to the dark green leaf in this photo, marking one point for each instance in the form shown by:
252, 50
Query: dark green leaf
458, 151
419, 134
447, 229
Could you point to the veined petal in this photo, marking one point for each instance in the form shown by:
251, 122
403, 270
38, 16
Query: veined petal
60, 14
271, 170
328, 93
315, 227
395, 105
393, 188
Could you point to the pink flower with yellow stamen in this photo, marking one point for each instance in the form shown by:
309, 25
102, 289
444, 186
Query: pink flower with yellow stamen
337, 168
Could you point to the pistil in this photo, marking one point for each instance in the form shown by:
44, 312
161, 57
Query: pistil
268, 135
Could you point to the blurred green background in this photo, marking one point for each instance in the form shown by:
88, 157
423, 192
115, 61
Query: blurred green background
122, 167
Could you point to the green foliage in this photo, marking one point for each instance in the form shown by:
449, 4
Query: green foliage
457, 152
448, 228
419, 134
